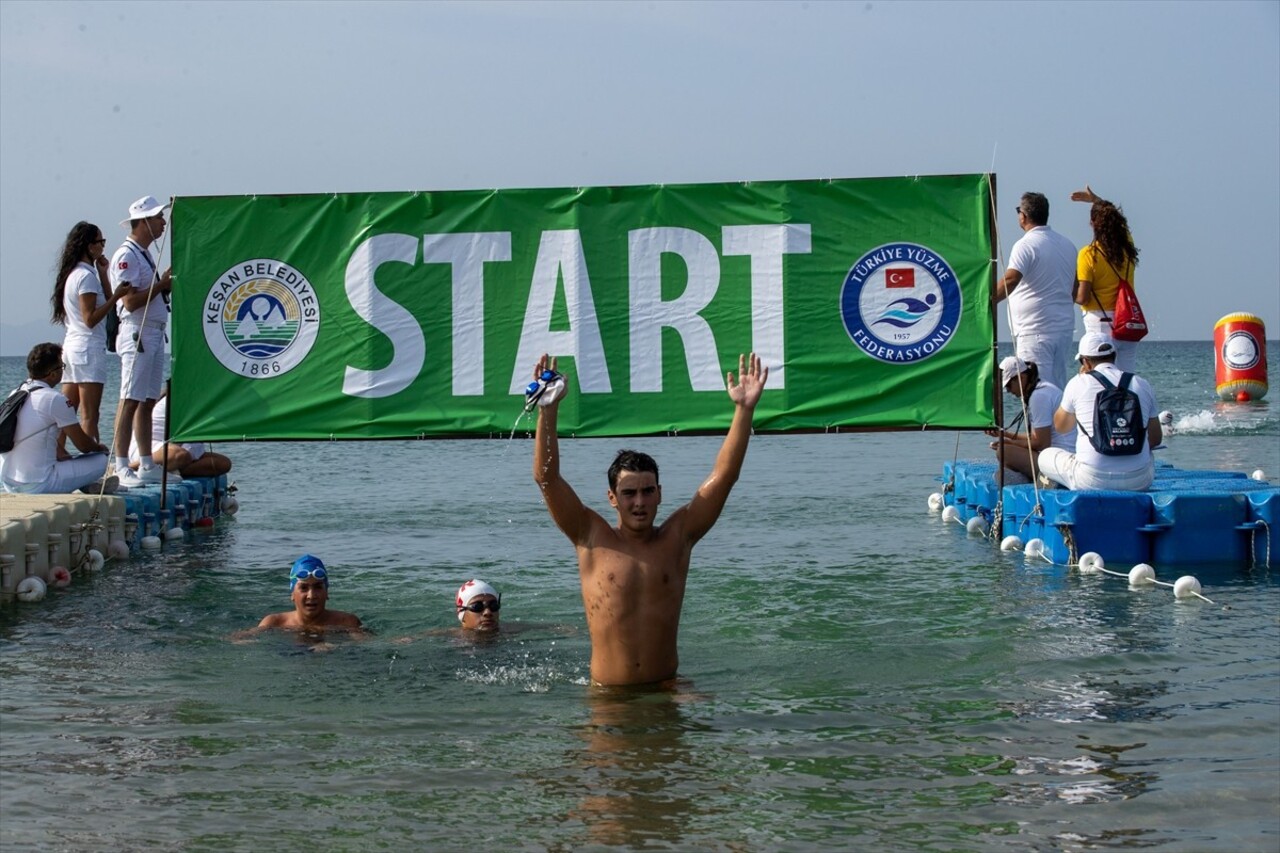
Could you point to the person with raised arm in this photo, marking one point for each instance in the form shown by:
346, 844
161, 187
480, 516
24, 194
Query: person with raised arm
633, 573
1100, 267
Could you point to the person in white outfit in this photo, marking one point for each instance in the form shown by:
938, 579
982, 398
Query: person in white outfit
183, 460
1038, 401
33, 465
1039, 285
143, 317
82, 299
1130, 470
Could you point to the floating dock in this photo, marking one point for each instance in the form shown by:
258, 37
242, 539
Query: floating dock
42, 533
1187, 517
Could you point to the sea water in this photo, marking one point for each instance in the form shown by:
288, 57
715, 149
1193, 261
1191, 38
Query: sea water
856, 673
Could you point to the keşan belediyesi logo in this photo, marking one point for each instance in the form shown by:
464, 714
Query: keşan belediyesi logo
900, 303
261, 318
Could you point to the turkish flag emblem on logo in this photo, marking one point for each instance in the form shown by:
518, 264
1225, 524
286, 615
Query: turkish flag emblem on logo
124, 265
900, 277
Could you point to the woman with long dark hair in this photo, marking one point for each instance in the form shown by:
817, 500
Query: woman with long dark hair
81, 299
1100, 266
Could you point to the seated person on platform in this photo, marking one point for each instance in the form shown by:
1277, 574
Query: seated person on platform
309, 590
477, 604
33, 465
1126, 463
1039, 400
188, 460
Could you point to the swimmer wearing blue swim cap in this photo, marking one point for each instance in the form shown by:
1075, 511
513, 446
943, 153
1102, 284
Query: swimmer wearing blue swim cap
309, 591
305, 567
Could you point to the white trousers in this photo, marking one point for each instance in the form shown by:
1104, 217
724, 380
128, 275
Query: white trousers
1062, 467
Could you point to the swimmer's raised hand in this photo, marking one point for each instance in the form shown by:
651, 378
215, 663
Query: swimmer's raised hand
544, 363
752, 376
549, 385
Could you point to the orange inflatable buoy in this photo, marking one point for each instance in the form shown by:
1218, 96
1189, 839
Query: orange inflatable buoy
1240, 357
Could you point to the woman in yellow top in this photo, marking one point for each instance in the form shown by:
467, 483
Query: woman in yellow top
1100, 266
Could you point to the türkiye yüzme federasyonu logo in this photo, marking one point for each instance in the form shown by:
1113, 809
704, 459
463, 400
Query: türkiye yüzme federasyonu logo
900, 303
261, 318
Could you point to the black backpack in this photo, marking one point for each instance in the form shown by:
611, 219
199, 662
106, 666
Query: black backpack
1118, 428
9, 418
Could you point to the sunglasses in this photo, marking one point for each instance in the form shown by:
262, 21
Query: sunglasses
98, 242
1017, 210
481, 606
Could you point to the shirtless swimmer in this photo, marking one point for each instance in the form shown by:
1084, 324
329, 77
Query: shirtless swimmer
633, 574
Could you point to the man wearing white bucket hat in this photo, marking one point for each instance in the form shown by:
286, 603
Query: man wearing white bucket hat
143, 318
1114, 450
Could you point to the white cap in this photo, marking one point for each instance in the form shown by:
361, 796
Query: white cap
1095, 345
1011, 367
143, 208
472, 589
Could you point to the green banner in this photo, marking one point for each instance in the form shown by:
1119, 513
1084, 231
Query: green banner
416, 314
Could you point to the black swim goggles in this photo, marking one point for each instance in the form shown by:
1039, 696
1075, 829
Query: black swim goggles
481, 606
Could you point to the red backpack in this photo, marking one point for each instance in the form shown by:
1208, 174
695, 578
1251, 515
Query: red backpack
1127, 321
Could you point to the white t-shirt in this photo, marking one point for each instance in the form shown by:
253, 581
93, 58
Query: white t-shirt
1041, 302
1045, 399
133, 264
1080, 398
81, 281
36, 449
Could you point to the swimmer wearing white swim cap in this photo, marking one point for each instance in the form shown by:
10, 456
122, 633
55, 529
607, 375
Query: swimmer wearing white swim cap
477, 604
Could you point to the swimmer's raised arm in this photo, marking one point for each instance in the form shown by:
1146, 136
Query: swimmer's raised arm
707, 503
566, 508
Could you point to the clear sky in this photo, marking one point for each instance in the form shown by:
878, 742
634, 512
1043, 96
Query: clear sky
1170, 109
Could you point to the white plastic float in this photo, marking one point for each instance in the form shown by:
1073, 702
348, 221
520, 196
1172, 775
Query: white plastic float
1011, 543
31, 589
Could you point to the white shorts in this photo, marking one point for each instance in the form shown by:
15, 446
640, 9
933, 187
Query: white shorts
1061, 466
1126, 351
141, 373
84, 365
1051, 353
